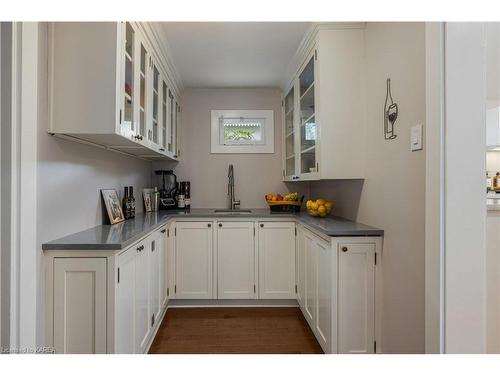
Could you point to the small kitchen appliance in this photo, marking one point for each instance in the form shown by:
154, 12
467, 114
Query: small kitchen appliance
168, 191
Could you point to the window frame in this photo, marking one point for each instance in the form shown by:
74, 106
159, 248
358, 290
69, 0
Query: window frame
266, 146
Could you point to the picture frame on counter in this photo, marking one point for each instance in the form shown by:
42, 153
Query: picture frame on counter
113, 206
147, 195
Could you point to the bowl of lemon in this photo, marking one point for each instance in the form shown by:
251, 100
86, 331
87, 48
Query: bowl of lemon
320, 207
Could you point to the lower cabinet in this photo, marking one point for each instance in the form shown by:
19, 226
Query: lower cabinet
235, 260
112, 302
337, 282
356, 297
276, 260
193, 259
79, 305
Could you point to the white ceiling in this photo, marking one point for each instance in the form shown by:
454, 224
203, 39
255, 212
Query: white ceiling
233, 54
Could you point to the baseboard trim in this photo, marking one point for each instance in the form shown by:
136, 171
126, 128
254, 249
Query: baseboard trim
187, 303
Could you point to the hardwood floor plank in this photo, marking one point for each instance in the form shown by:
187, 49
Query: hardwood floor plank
235, 330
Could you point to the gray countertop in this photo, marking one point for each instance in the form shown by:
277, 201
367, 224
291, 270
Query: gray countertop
124, 234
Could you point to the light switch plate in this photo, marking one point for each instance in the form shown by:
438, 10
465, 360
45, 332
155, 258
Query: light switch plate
416, 143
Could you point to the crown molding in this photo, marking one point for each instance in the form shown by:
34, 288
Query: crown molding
307, 43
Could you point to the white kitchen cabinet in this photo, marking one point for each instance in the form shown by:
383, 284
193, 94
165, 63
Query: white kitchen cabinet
154, 277
125, 305
235, 260
356, 298
142, 296
115, 69
310, 278
171, 264
79, 305
162, 241
193, 249
276, 260
300, 262
325, 297
327, 110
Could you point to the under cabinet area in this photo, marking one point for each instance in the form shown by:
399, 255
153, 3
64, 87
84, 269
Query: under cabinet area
110, 86
123, 294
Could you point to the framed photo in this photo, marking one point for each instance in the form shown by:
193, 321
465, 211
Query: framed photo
147, 195
113, 206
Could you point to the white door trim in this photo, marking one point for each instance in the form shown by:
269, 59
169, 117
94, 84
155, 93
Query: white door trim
23, 194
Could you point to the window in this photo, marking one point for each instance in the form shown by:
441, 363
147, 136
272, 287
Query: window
243, 131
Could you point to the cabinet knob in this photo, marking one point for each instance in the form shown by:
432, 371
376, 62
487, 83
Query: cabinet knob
220, 225
209, 225
163, 230
262, 225
344, 249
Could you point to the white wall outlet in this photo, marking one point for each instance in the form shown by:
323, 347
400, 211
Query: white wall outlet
416, 143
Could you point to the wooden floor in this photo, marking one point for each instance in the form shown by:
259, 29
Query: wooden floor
262, 330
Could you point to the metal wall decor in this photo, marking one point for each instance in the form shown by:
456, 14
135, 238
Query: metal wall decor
390, 113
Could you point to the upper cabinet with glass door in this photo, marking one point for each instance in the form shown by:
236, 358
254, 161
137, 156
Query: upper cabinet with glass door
289, 133
113, 99
328, 123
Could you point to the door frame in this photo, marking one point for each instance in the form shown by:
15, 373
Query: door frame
455, 164
19, 200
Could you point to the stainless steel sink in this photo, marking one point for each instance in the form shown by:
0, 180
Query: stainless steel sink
232, 212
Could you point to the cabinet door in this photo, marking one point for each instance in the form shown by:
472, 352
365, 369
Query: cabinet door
125, 343
162, 253
300, 265
310, 278
323, 325
194, 260
154, 277
80, 305
289, 126
276, 260
142, 296
128, 95
356, 287
176, 128
170, 277
154, 131
307, 129
171, 122
143, 83
236, 260
164, 117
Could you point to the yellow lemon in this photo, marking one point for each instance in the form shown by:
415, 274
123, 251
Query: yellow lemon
314, 206
320, 202
308, 203
322, 210
328, 205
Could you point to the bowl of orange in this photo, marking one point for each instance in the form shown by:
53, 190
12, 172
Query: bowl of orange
319, 207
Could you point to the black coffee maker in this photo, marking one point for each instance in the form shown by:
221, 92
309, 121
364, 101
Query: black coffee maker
168, 191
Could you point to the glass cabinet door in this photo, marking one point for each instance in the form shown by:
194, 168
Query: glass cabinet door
289, 129
142, 96
127, 122
170, 143
307, 123
153, 132
176, 129
164, 100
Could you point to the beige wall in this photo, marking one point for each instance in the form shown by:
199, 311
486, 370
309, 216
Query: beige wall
255, 174
392, 196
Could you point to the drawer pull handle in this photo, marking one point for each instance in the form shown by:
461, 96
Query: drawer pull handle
163, 230
344, 249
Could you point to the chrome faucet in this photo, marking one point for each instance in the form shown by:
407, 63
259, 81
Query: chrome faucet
230, 189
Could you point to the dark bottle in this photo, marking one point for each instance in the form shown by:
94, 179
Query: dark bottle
126, 204
132, 201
